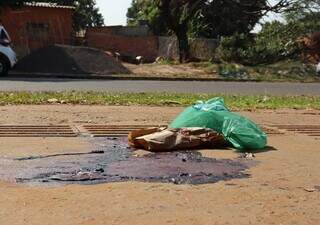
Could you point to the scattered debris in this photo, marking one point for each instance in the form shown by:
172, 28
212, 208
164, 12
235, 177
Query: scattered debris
314, 189
78, 176
204, 125
239, 75
140, 153
161, 139
171, 102
247, 155
139, 59
128, 58
310, 189
265, 98
52, 100
241, 132
159, 59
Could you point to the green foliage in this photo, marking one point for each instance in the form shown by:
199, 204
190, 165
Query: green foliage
201, 18
146, 11
166, 17
233, 49
303, 24
276, 41
225, 18
86, 14
205, 19
265, 48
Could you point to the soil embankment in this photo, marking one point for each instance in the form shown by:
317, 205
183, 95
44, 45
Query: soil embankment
63, 59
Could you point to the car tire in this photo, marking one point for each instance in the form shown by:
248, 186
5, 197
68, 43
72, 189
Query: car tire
4, 67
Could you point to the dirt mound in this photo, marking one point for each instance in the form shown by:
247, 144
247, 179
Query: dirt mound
62, 59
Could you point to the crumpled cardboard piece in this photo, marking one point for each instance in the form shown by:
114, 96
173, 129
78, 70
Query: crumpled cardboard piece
162, 139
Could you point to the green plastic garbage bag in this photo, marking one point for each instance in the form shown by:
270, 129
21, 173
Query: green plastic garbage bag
241, 132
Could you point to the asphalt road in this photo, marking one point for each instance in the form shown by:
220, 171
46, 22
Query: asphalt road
36, 84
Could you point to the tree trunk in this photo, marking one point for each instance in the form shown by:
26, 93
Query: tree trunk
183, 42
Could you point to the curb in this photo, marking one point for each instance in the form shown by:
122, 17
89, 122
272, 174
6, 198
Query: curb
14, 74
119, 77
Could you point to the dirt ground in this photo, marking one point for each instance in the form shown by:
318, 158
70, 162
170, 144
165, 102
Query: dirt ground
286, 71
282, 189
170, 71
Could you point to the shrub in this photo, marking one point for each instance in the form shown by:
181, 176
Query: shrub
233, 48
276, 41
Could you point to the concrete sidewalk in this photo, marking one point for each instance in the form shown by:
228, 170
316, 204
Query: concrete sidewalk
283, 187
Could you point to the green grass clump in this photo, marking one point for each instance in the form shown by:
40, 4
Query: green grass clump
235, 102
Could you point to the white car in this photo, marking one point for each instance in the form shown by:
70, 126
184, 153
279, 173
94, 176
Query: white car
8, 57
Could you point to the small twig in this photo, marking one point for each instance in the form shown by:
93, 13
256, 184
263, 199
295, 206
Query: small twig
57, 155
